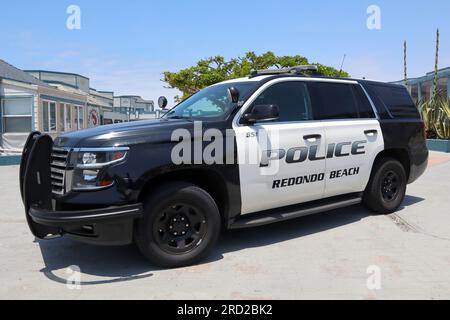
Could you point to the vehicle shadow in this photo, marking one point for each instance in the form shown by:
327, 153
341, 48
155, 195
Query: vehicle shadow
116, 264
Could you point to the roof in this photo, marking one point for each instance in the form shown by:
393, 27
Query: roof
266, 78
58, 72
442, 73
9, 72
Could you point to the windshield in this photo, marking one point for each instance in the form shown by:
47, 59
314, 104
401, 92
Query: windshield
211, 102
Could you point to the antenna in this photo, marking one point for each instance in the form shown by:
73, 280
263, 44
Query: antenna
342, 64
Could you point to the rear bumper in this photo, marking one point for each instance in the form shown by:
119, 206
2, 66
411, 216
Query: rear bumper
419, 163
108, 226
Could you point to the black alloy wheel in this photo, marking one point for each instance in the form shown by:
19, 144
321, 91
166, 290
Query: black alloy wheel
180, 228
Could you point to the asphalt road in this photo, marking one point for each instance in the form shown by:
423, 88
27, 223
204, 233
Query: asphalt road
346, 253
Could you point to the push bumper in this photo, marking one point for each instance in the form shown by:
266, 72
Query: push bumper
76, 218
104, 226
108, 226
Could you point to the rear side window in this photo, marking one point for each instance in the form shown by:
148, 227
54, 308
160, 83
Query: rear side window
339, 101
393, 102
292, 99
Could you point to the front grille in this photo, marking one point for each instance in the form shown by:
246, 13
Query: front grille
58, 167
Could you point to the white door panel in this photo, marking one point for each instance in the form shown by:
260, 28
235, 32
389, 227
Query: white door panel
347, 171
272, 185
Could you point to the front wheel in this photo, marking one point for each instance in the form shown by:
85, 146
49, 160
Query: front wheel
180, 226
387, 186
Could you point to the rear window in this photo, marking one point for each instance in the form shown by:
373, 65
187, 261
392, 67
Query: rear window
338, 101
393, 102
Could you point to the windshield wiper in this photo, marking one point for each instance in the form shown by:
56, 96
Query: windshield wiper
179, 117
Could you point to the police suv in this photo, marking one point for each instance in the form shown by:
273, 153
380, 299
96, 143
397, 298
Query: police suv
317, 144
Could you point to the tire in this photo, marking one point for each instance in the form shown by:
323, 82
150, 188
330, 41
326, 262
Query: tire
180, 225
381, 196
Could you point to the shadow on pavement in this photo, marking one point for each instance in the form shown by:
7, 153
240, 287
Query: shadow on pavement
125, 263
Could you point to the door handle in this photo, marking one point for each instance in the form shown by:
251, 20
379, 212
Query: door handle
312, 137
371, 132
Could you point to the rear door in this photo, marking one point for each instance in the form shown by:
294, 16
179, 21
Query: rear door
281, 162
353, 135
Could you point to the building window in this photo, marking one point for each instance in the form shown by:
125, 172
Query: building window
49, 116
68, 117
17, 117
61, 118
414, 90
78, 117
425, 90
442, 87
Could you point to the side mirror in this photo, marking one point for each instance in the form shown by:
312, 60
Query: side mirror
233, 94
262, 112
162, 102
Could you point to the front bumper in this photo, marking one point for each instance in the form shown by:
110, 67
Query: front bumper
102, 225
107, 226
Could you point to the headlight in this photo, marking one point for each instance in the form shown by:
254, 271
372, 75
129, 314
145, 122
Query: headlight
89, 173
98, 158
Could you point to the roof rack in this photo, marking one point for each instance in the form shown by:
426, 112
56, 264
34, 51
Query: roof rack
291, 70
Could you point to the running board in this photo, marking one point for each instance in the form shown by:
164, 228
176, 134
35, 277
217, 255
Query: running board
292, 212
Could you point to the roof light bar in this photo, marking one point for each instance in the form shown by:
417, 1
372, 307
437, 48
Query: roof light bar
291, 70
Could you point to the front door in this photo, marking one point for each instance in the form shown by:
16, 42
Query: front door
281, 162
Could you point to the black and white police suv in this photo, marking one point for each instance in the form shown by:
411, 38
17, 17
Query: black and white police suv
286, 144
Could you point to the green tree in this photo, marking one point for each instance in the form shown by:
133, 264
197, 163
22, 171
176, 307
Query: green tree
216, 69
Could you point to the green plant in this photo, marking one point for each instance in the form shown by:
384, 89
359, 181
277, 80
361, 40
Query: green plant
405, 67
436, 116
216, 69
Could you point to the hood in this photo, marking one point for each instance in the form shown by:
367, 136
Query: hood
121, 134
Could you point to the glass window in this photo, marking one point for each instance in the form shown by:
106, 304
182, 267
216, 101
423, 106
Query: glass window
17, 124
363, 105
396, 100
45, 116
442, 87
52, 116
61, 118
17, 106
68, 117
211, 102
17, 116
425, 90
80, 118
338, 101
414, 90
292, 99
49, 116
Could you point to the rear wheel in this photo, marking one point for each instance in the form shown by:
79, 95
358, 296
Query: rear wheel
180, 226
387, 186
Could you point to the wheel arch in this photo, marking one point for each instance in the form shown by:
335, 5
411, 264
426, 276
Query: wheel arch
398, 154
208, 179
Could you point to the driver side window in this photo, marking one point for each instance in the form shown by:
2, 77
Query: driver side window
292, 99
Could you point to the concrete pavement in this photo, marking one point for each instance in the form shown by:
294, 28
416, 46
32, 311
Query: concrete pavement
325, 256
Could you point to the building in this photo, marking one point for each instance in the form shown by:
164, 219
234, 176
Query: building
57, 102
28, 103
421, 88
133, 106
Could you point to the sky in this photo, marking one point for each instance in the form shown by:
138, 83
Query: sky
125, 46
